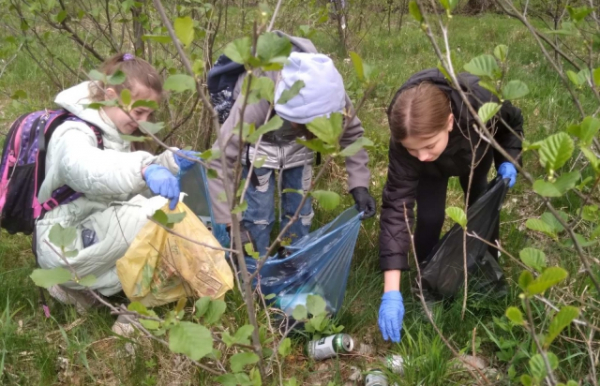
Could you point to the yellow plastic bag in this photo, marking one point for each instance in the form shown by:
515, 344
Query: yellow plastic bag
161, 268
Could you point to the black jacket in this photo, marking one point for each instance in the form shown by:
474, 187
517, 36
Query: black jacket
404, 170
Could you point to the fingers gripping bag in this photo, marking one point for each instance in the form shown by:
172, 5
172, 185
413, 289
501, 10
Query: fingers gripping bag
160, 267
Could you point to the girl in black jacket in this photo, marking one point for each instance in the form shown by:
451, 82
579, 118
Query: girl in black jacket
434, 137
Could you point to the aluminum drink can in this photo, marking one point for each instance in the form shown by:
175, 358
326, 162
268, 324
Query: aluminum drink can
376, 378
330, 346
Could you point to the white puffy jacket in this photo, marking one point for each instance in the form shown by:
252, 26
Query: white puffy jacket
111, 182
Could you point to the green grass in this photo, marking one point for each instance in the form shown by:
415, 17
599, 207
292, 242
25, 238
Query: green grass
31, 347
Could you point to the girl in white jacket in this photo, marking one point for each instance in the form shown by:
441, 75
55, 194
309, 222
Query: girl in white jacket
111, 210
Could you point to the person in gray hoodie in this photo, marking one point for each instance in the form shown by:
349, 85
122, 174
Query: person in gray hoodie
322, 95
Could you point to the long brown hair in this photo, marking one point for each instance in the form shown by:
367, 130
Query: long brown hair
420, 111
137, 72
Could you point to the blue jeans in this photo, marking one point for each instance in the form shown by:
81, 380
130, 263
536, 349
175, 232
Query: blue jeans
259, 218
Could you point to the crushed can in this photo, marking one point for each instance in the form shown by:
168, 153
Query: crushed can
330, 346
395, 363
376, 377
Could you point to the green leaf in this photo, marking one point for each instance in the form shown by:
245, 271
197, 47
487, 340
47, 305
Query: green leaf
326, 129
550, 277
574, 78
580, 240
537, 367
240, 208
525, 279
488, 110
291, 382
526, 380
150, 324
62, 237
484, 65
555, 151
271, 46
260, 161
562, 185
126, 97
596, 76
579, 13
515, 316
590, 213
457, 215
96, 75
274, 123
180, 83
300, 312
490, 87
317, 145
138, 307
117, 78
174, 218
240, 360
239, 50
413, 8
151, 127
227, 339
145, 103
235, 379
202, 305
215, 311
538, 225
242, 335
328, 200
210, 155
164, 39
356, 146
533, 258
184, 30
71, 253
212, 173
160, 217
19, 94
285, 347
514, 89
270, 296
286, 95
549, 219
358, 65
586, 131
190, 339
88, 280
561, 320
315, 304
592, 158
62, 15
501, 52
48, 277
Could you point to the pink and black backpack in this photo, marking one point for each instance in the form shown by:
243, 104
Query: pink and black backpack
23, 168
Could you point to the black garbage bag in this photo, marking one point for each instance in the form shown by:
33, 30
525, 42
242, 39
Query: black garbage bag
442, 273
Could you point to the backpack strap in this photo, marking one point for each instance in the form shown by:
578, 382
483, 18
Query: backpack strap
64, 194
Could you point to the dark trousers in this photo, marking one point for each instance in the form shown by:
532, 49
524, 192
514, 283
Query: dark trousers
431, 204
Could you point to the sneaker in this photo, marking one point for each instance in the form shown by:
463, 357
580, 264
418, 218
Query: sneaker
123, 327
82, 300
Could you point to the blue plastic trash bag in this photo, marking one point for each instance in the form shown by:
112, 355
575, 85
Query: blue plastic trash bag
317, 264
195, 184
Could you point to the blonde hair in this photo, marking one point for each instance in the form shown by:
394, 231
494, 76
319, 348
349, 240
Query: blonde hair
137, 72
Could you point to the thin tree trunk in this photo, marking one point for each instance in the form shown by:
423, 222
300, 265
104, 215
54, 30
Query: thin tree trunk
402, 11
138, 30
390, 3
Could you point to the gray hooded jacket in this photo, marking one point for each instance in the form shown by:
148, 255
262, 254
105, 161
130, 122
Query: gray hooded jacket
279, 148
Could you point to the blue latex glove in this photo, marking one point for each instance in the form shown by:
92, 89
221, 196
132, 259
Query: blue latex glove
508, 170
160, 181
391, 314
183, 163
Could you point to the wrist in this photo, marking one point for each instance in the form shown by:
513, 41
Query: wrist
391, 280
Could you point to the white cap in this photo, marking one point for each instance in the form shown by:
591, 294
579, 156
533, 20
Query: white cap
323, 92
